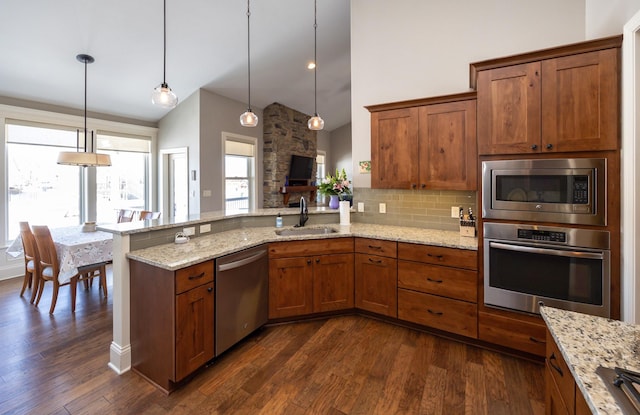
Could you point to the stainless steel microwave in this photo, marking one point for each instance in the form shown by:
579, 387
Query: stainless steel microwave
571, 191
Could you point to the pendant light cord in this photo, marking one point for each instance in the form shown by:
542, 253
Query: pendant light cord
315, 58
164, 57
248, 56
85, 106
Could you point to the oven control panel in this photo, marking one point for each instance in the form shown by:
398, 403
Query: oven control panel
540, 235
581, 190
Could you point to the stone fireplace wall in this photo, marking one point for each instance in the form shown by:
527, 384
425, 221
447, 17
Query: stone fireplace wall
285, 133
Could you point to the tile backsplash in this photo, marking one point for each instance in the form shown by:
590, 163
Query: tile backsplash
429, 209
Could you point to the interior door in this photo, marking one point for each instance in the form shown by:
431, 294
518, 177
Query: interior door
178, 179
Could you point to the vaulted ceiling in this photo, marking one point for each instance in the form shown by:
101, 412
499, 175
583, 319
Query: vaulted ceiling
206, 48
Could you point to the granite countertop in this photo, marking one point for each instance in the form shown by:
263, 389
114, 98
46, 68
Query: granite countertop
175, 256
587, 342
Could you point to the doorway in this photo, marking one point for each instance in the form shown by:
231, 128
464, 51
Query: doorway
175, 182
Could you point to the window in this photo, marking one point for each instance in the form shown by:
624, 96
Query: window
124, 184
320, 173
42, 192
239, 173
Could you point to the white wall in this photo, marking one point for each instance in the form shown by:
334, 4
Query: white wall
606, 17
341, 150
220, 114
181, 128
407, 49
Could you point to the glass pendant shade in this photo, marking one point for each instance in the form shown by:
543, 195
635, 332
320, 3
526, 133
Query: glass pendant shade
164, 97
248, 119
315, 123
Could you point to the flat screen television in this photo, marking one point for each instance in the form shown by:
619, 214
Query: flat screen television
300, 169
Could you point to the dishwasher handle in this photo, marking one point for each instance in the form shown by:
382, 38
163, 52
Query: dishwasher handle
242, 262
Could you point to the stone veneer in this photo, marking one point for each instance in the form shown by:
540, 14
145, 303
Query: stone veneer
285, 133
430, 209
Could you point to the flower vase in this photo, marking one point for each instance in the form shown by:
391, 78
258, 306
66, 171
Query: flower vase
334, 201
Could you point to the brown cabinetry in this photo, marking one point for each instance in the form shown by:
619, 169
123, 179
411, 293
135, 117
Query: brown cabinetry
513, 332
558, 100
437, 287
426, 144
376, 287
310, 277
172, 321
562, 395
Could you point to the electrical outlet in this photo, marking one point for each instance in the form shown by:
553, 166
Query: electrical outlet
360, 206
382, 208
189, 231
455, 211
206, 193
205, 228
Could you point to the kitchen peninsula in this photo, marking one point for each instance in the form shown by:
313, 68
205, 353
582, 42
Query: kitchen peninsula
152, 242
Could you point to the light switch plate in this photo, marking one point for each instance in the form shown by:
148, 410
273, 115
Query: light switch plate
205, 228
455, 211
189, 231
382, 208
360, 206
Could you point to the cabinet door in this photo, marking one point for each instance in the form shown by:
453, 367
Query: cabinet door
290, 287
333, 282
580, 102
194, 329
394, 145
448, 146
509, 109
376, 284
554, 405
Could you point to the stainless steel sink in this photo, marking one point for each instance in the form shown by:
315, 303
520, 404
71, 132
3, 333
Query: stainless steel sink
305, 231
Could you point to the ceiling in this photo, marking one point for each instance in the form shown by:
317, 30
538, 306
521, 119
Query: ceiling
206, 48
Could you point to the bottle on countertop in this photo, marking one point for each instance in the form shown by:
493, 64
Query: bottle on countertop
279, 221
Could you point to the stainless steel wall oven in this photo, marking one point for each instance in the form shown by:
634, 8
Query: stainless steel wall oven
571, 191
568, 268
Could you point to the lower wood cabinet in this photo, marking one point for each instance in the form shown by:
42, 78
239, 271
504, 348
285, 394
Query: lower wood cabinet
172, 321
527, 335
437, 287
376, 275
310, 277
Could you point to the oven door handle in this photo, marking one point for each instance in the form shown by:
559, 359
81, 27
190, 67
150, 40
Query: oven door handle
545, 251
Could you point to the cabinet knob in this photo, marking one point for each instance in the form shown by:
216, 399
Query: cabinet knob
423, 185
308, 262
210, 289
317, 260
413, 185
441, 150
549, 146
534, 147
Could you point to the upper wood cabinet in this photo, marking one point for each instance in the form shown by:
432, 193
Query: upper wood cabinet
425, 144
558, 100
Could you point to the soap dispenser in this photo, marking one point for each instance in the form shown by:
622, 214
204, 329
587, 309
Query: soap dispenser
279, 221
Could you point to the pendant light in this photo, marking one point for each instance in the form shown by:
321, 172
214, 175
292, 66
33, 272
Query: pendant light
248, 118
315, 122
162, 95
88, 158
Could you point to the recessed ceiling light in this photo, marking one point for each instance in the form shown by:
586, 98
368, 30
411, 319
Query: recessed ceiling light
311, 65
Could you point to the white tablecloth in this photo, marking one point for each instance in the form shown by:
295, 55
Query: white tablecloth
75, 249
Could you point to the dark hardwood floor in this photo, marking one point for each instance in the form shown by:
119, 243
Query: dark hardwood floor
346, 365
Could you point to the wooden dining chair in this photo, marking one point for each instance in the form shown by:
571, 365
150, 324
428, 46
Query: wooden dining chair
50, 269
125, 215
31, 261
149, 215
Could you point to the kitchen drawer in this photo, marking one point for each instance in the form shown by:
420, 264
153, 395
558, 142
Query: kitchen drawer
310, 247
560, 373
513, 333
376, 247
433, 279
451, 257
193, 276
441, 313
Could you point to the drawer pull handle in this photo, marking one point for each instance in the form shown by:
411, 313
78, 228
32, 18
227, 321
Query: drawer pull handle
552, 358
195, 277
438, 257
432, 280
375, 261
375, 247
437, 313
536, 340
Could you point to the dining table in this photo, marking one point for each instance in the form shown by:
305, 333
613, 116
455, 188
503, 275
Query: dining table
75, 247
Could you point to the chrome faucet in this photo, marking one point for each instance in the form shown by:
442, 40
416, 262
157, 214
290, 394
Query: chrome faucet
304, 213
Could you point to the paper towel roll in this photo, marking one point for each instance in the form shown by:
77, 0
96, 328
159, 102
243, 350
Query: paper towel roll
345, 212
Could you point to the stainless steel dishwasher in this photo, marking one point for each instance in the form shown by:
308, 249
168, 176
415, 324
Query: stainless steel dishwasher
242, 295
